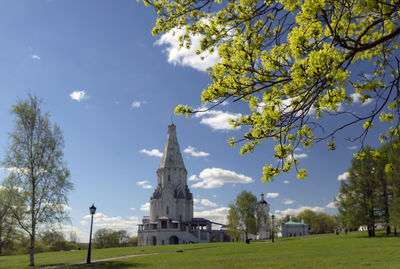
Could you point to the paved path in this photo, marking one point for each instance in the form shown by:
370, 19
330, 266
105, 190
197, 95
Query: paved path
100, 260
118, 258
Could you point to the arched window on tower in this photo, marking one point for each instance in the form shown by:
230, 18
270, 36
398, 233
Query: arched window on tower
169, 178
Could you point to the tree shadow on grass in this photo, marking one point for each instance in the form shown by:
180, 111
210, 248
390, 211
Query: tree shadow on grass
109, 265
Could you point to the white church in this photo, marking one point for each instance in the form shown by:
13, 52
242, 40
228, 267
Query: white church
171, 206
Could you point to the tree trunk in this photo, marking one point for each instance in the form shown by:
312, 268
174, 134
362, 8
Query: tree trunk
1, 236
386, 206
33, 224
387, 229
32, 250
372, 215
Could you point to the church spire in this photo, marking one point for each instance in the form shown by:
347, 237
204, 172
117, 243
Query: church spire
172, 157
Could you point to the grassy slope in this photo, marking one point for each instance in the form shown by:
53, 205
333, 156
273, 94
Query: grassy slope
326, 251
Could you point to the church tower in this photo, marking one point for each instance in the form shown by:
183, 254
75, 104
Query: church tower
171, 205
172, 199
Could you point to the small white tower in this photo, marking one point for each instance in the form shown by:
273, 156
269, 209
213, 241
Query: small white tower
263, 217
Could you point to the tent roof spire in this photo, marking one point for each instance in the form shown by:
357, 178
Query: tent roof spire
172, 157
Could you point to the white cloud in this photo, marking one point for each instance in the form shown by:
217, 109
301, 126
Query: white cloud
35, 57
343, 176
272, 195
192, 151
132, 209
297, 156
357, 99
153, 152
216, 177
145, 207
331, 205
15, 170
286, 107
218, 215
217, 120
288, 202
136, 104
116, 223
144, 184
296, 211
66, 207
196, 202
300, 156
352, 147
206, 202
186, 57
194, 178
286, 182
199, 204
79, 95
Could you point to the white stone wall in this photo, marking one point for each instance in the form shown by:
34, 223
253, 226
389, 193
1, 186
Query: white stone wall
163, 237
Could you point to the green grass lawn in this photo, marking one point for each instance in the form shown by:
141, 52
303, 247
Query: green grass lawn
318, 251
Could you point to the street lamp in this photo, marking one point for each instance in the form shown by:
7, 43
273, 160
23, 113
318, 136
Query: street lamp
273, 218
92, 211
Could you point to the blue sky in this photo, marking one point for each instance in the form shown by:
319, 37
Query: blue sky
112, 87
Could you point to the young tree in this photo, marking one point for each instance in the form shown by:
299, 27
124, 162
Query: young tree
73, 237
133, 241
358, 197
242, 214
371, 194
393, 171
291, 63
319, 222
106, 238
7, 223
308, 216
52, 235
233, 223
123, 238
38, 175
385, 191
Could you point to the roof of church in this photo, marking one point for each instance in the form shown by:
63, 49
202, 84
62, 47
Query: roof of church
172, 157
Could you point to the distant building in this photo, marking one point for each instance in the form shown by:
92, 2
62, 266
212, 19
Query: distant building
378, 226
171, 205
292, 228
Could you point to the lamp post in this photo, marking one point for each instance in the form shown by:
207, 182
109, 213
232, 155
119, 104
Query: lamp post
92, 211
273, 218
